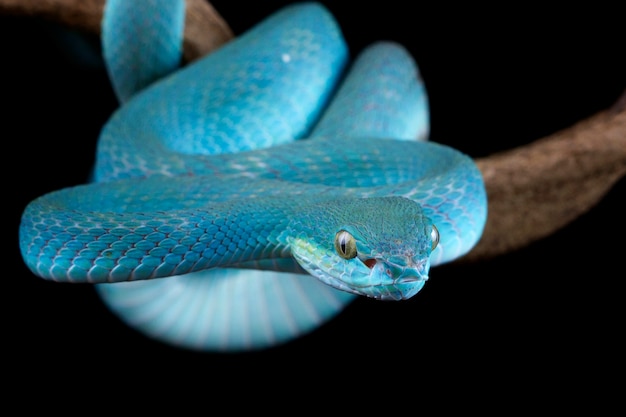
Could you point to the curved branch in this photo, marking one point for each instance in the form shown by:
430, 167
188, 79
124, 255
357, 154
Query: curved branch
205, 30
536, 189
533, 190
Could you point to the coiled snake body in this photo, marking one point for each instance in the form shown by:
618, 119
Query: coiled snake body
246, 198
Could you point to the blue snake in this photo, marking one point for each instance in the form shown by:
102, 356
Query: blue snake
243, 200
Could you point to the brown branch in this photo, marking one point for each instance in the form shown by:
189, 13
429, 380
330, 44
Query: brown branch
533, 190
205, 29
536, 189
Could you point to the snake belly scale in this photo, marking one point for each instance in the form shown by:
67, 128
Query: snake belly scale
243, 200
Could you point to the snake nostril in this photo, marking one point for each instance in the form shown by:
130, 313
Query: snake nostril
370, 263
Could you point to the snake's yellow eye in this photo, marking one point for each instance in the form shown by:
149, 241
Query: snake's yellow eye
345, 245
434, 237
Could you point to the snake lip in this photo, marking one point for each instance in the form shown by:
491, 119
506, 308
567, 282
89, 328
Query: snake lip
406, 280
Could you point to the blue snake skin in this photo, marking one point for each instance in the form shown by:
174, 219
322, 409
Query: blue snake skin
245, 199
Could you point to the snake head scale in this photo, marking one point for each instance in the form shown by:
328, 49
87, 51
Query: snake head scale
376, 247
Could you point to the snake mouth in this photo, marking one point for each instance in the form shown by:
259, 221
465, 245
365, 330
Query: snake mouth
370, 263
388, 281
399, 275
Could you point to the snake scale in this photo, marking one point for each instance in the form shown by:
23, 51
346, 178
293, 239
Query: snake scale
244, 199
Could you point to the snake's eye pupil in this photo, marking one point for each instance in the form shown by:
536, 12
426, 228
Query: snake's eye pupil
434, 237
345, 245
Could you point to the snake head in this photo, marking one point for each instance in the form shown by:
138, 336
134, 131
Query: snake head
375, 247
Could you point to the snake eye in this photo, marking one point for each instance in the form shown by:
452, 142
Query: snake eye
434, 237
345, 245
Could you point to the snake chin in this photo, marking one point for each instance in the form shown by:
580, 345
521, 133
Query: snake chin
397, 292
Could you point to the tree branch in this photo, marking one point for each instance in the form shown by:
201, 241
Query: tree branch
205, 29
536, 189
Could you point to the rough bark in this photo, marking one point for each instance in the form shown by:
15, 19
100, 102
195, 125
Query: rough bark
205, 29
536, 189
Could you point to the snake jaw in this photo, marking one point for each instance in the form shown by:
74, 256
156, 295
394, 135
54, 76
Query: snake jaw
368, 274
391, 281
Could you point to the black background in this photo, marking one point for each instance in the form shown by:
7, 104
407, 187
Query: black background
496, 78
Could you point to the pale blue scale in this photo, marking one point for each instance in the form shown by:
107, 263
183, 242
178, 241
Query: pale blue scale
212, 224
226, 310
246, 95
139, 51
393, 103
